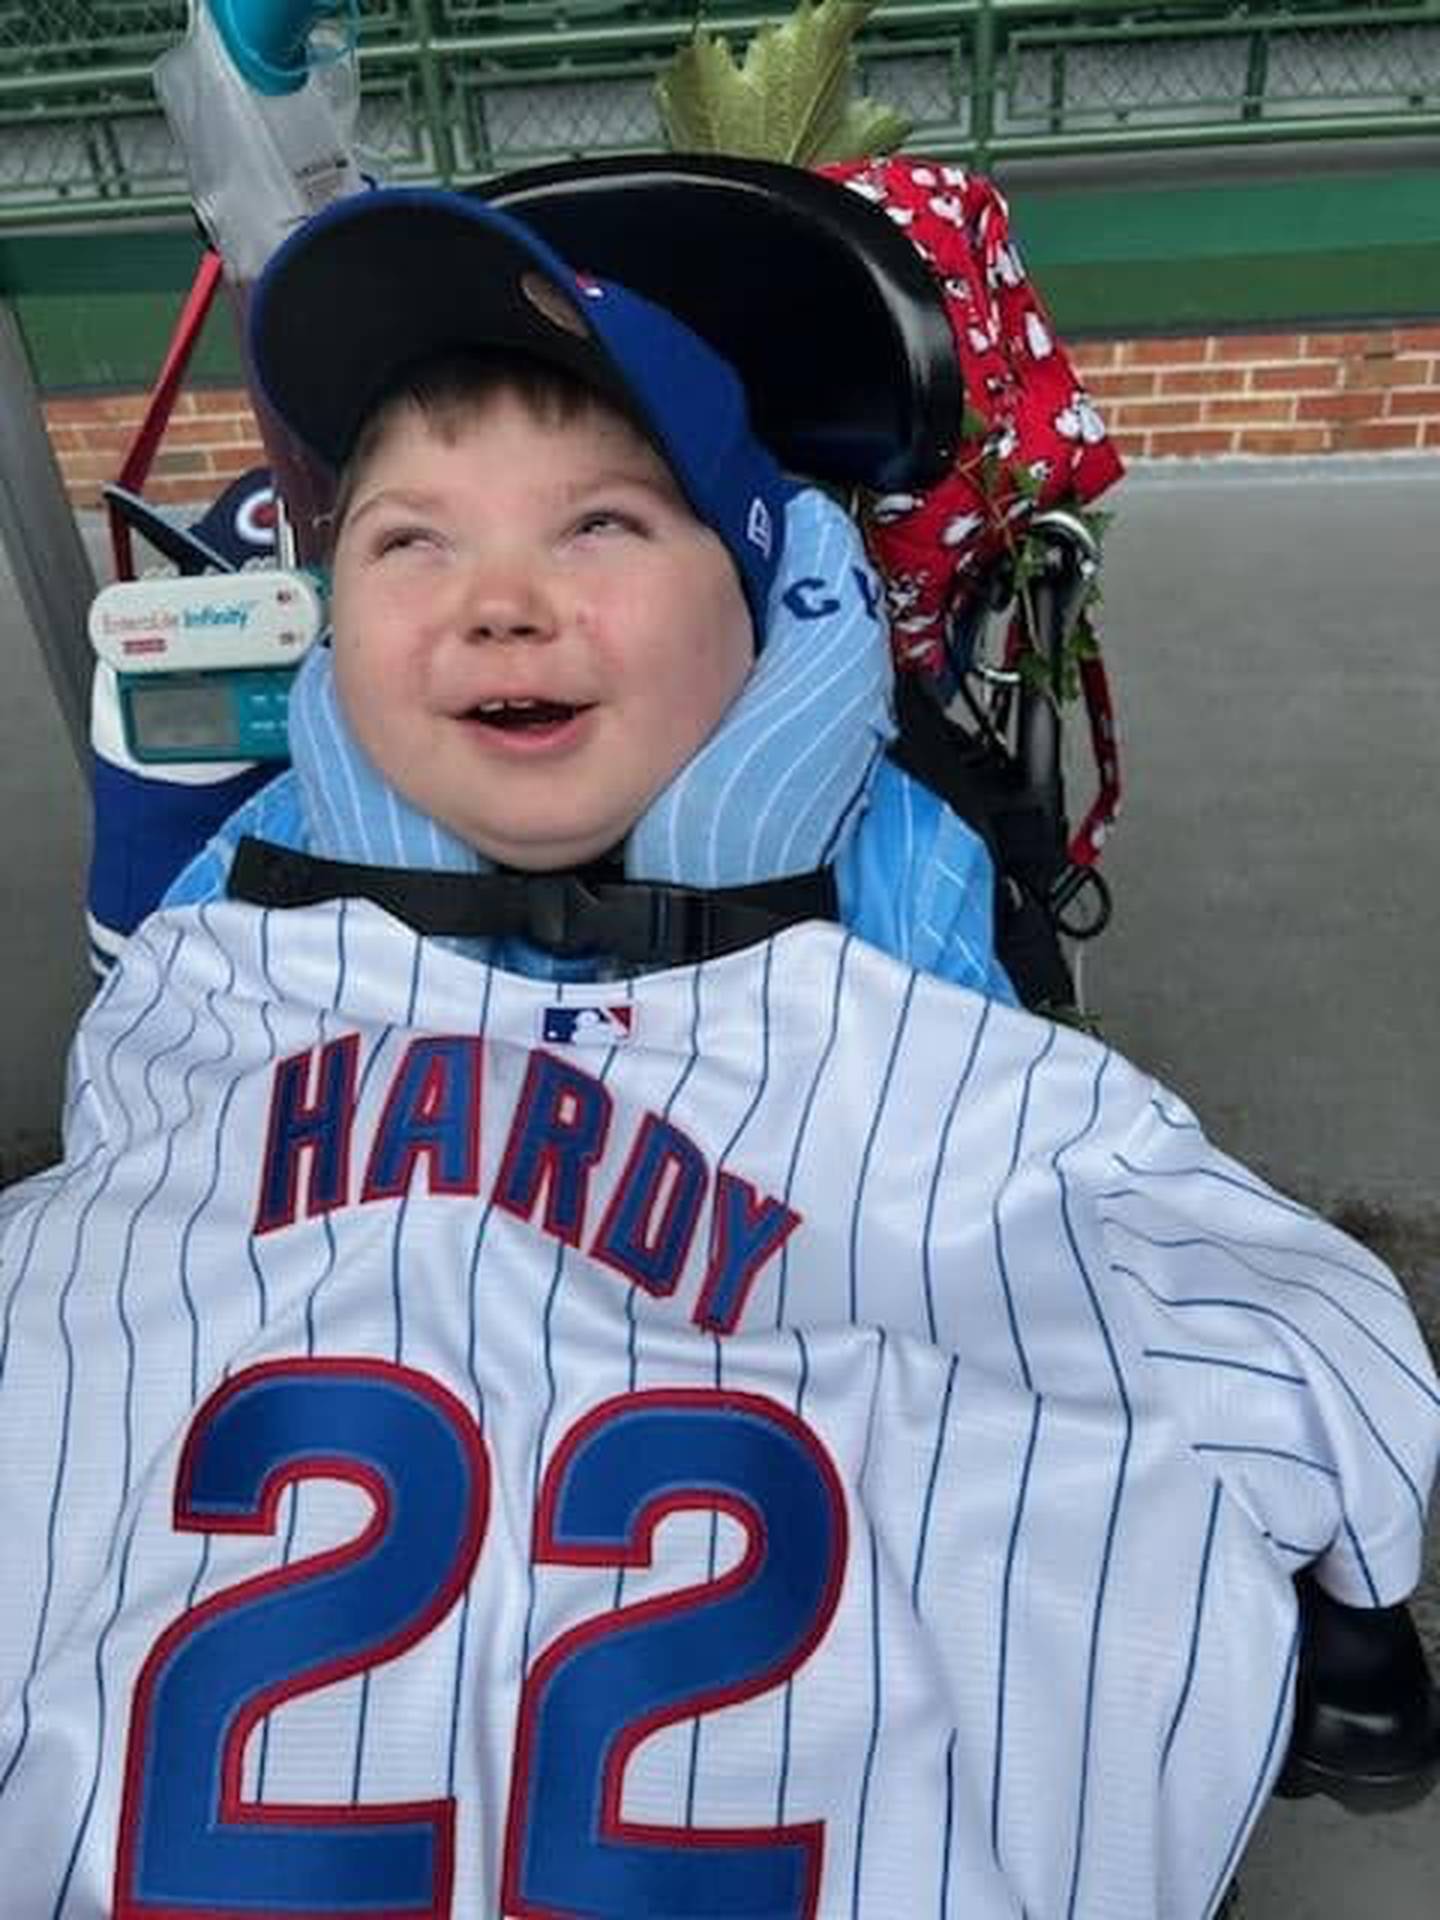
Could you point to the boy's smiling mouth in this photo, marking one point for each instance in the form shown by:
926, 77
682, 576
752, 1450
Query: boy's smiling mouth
523, 714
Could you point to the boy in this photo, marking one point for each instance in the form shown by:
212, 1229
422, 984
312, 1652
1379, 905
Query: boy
777, 1436
756, 754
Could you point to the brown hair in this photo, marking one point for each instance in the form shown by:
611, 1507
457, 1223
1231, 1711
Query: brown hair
450, 390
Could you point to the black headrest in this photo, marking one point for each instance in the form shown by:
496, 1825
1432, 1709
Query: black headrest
829, 314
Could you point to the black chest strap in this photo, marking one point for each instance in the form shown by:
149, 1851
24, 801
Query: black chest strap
589, 910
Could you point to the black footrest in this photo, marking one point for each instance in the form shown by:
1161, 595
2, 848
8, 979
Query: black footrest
1367, 1716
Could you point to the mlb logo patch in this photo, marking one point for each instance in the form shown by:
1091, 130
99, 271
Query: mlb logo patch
586, 1026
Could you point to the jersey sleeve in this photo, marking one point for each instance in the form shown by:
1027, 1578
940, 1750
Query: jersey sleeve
1290, 1355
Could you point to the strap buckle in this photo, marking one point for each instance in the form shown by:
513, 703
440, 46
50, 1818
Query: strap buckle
566, 914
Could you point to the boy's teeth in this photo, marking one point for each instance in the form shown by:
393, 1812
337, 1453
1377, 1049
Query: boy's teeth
523, 712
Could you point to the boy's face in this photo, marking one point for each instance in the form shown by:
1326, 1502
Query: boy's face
532, 631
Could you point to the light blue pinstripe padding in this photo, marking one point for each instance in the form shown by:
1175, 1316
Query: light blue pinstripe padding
794, 778
776, 789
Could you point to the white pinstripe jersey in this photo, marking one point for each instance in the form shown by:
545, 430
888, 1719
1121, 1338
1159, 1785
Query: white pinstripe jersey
776, 1438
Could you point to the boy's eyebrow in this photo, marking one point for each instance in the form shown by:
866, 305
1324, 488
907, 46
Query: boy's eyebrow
417, 498
655, 480
654, 476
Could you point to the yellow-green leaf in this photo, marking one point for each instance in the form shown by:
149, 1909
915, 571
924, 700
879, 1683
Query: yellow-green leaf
706, 103
790, 98
867, 128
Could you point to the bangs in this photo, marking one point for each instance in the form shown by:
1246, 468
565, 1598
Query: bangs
452, 391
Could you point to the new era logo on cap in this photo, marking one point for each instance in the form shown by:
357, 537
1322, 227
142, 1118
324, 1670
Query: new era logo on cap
586, 1026
759, 528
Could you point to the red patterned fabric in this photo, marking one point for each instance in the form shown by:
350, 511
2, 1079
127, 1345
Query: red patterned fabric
1018, 381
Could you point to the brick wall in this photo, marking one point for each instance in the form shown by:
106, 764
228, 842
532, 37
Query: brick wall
211, 437
1269, 393
1311, 393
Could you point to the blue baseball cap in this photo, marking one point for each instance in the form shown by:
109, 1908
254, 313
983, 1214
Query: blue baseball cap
383, 280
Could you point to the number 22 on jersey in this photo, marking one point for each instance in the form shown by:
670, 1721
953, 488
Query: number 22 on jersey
193, 1848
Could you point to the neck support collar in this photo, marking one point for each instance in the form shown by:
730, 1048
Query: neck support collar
775, 791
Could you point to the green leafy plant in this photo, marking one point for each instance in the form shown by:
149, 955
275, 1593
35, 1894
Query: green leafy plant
1001, 482
1057, 674
791, 97
1060, 676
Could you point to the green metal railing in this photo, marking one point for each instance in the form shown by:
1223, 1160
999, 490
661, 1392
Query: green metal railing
457, 89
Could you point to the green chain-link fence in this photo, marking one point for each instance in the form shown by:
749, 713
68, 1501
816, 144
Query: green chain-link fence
455, 89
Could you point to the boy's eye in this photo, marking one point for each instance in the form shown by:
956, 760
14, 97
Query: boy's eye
399, 539
607, 520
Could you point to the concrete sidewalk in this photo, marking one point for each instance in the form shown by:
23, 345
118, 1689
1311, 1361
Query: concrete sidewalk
1272, 634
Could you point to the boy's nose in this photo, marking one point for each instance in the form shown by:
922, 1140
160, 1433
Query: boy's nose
498, 608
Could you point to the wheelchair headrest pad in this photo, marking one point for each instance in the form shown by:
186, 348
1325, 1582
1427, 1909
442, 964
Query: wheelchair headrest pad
832, 319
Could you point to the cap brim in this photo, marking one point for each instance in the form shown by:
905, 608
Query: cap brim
387, 279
